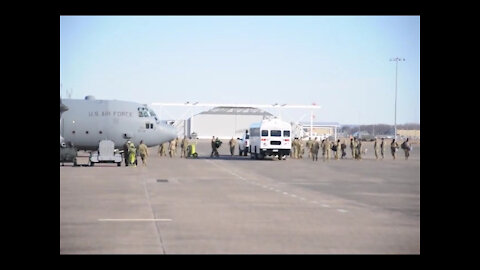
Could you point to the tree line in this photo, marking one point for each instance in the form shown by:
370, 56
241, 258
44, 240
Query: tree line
377, 129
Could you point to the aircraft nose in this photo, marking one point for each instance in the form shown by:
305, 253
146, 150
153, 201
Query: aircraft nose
170, 132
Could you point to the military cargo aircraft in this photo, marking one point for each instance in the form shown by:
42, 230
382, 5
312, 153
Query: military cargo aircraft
84, 123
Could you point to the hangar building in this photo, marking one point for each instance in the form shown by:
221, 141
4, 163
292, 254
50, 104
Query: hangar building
224, 122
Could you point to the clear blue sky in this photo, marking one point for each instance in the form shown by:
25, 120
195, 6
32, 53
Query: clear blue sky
339, 62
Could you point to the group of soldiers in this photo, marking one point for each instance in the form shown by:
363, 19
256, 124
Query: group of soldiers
216, 143
339, 149
297, 152
172, 148
130, 153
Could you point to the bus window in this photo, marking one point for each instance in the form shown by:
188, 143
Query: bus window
275, 133
286, 133
264, 132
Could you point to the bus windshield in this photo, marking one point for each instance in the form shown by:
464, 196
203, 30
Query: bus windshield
275, 133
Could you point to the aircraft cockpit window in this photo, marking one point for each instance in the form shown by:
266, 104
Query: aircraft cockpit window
143, 112
152, 113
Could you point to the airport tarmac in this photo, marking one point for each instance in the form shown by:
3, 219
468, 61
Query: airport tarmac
236, 205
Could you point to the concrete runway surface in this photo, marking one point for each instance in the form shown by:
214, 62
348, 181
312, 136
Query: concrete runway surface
236, 205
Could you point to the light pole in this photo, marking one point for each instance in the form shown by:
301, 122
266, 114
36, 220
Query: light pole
396, 75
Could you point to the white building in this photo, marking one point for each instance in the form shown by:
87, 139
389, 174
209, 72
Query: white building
224, 122
320, 130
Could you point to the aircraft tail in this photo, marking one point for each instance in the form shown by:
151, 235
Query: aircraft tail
63, 107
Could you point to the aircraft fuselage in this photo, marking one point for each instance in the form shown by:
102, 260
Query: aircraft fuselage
87, 122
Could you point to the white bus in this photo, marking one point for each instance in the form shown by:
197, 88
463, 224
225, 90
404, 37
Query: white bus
271, 137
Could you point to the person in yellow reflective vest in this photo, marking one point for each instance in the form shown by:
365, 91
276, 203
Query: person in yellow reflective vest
132, 151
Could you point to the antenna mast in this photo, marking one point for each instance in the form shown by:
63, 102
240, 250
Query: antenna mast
69, 93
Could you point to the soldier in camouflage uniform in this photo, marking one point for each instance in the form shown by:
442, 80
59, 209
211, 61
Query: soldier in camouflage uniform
352, 147
338, 148
172, 148
382, 147
295, 148
143, 150
162, 149
176, 147
309, 145
184, 146
328, 149
314, 149
322, 145
232, 144
214, 147
406, 147
301, 149
393, 148
343, 146
358, 153
375, 148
